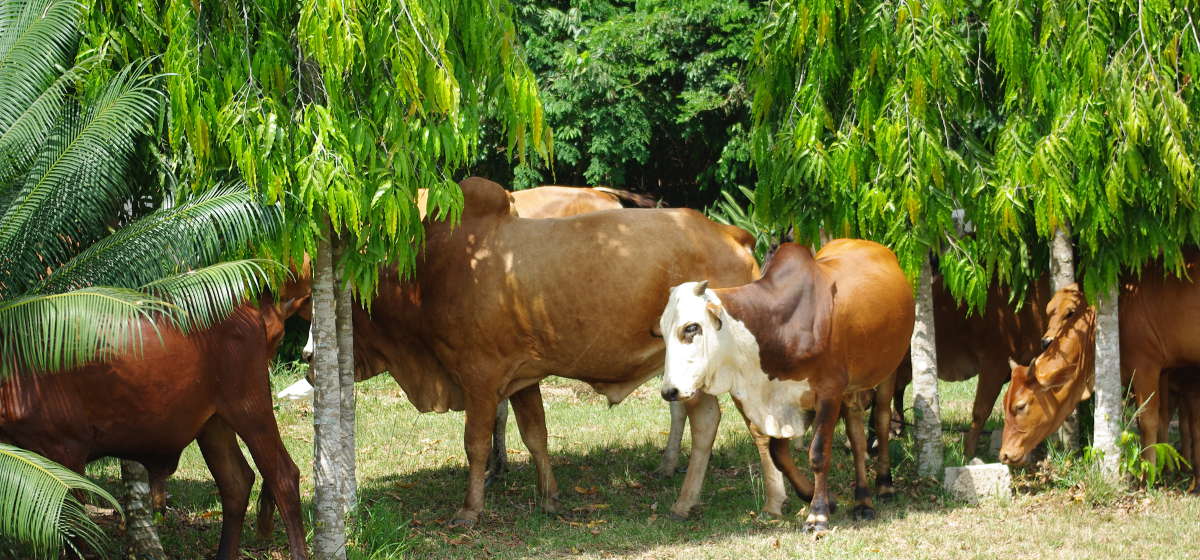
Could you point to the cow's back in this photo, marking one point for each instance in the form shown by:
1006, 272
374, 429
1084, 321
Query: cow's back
578, 297
1158, 314
143, 402
873, 309
555, 201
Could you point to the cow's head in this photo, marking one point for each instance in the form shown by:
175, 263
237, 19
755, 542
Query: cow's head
1042, 395
693, 327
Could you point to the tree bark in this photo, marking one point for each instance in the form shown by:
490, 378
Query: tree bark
1108, 390
329, 531
345, 341
924, 380
139, 515
1062, 274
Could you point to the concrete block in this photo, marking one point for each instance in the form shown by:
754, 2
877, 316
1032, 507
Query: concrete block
977, 482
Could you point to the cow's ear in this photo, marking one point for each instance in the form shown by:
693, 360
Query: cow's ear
1012, 364
714, 311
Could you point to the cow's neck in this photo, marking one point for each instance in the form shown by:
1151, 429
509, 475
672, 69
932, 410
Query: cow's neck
776, 408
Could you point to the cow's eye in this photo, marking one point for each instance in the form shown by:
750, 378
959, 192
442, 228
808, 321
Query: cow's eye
1020, 407
690, 331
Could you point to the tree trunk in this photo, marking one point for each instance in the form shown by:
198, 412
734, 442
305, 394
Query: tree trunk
139, 516
329, 531
1062, 274
1108, 391
345, 341
924, 380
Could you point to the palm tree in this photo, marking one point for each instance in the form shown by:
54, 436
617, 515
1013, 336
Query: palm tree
78, 267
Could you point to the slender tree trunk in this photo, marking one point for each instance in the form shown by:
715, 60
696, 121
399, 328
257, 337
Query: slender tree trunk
345, 341
1062, 274
924, 380
139, 515
1108, 381
329, 532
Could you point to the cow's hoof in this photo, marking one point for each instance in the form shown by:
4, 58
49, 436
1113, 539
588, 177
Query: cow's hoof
463, 520
770, 515
864, 513
832, 506
887, 495
679, 516
817, 525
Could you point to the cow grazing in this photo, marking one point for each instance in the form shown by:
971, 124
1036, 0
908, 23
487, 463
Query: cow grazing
500, 302
971, 343
807, 334
147, 403
1157, 332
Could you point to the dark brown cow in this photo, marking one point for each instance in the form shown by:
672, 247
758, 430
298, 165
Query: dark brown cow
1157, 332
806, 335
148, 403
501, 302
980, 343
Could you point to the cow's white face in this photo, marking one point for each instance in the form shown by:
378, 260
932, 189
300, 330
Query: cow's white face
692, 326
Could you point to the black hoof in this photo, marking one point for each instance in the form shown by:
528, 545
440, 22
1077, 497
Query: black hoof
864, 513
887, 496
832, 506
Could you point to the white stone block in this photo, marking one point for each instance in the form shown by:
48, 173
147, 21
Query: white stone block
975, 483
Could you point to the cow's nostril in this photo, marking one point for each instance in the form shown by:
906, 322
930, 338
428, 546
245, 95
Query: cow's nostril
1045, 343
671, 394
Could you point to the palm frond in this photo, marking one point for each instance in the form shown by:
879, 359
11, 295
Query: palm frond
76, 181
193, 232
208, 295
37, 39
37, 508
24, 136
47, 333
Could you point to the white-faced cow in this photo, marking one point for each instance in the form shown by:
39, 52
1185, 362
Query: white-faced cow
500, 302
807, 334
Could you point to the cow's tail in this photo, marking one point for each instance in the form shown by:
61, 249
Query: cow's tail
638, 200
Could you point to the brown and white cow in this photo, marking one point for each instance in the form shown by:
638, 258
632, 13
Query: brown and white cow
147, 403
500, 302
1157, 333
971, 343
807, 334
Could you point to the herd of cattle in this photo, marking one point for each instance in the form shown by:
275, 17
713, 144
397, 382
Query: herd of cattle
563, 281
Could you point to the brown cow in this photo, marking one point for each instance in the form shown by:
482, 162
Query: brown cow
501, 302
148, 403
980, 343
1156, 333
804, 336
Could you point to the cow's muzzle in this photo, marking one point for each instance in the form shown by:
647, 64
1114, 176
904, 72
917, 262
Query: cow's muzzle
1046, 343
671, 394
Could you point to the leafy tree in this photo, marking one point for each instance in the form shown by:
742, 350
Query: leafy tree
80, 259
645, 95
339, 111
1099, 104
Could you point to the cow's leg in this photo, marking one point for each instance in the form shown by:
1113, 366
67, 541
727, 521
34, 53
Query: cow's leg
477, 440
986, 391
1147, 390
901, 381
1189, 429
158, 487
531, 421
881, 417
670, 458
781, 456
772, 476
255, 424
234, 479
266, 514
852, 416
704, 414
498, 460
819, 457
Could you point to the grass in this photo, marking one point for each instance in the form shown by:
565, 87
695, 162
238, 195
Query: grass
412, 478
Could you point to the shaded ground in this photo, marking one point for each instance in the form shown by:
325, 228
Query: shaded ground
412, 478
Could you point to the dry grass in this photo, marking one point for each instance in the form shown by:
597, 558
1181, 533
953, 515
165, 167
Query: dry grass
412, 478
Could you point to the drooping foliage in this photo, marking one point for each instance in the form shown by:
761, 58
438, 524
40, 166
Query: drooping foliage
337, 110
881, 119
1098, 104
645, 95
79, 260
41, 516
